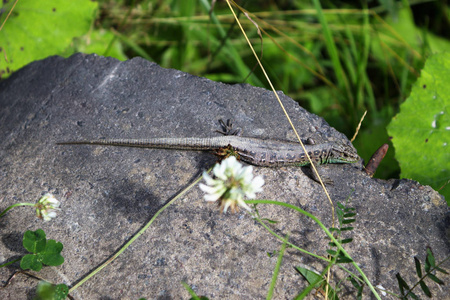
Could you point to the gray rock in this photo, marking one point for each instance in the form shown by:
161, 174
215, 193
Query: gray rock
109, 193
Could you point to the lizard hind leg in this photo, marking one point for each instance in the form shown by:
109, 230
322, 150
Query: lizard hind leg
227, 128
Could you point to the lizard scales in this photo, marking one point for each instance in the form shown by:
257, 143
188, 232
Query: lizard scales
255, 151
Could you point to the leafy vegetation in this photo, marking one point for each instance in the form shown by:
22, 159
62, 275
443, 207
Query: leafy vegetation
422, 128
430, 270
37, 29
346, 216
48, 291
44, 251
336, 62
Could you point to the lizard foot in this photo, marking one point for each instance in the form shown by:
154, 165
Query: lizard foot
227, 128
225, 152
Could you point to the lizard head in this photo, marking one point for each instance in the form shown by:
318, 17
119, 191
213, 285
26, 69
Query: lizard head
343, 154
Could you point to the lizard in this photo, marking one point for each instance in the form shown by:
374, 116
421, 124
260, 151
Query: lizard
254, 151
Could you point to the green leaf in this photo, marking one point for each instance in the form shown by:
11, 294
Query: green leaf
270, 221
193, 294
418, 267
45, 251
429, 261
343, 260
402, 285
348, 221
30, 261
62, 291
340, 205
425, 288
435, 279
358, 287
414, 296
349, 215
310, 276
331, 252
34, 241
48, 291
51, 255
346, 241
441, 270
422, 128
346, 228
37, 29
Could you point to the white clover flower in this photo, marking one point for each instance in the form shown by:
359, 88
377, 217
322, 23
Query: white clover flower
46, 207
232, 183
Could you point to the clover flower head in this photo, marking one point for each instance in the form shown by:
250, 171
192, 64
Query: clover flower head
46, 207
231, 183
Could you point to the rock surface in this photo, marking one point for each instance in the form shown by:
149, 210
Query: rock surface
109, 193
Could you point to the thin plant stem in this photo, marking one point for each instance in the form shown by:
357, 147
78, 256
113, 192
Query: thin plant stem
138, 234
10, 262
327, 232
14, 205
277, 268
284, 109
290, 244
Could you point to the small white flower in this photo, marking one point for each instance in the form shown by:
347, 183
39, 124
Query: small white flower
232, 183
46, 207
382, 289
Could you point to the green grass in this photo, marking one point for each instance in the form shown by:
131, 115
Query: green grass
335, 61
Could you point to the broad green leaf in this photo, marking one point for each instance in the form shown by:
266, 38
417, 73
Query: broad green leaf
51, 255
34, 241
311, 276
46, 290
421, 131
30, 261
37, 29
